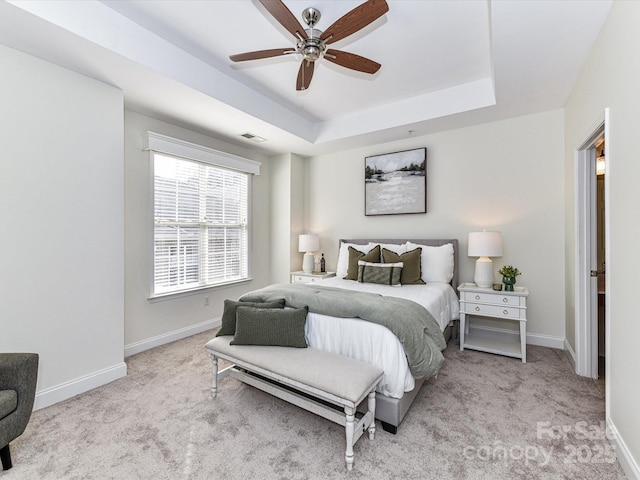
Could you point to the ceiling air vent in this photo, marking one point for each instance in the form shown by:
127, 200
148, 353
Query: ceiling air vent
252, 137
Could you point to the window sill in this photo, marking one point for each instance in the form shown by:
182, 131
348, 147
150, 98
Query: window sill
195, 291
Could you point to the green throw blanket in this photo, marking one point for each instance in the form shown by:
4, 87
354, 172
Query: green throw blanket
414, 326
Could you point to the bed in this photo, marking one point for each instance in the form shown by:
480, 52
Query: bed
373, 342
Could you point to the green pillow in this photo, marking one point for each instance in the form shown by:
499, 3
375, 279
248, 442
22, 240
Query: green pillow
354, 255
228, 326
275, 327
411, 269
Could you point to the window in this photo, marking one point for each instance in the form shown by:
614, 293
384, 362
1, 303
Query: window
200, 225
201, 214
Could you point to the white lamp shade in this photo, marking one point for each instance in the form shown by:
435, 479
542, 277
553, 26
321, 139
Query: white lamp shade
485, 244
308, 243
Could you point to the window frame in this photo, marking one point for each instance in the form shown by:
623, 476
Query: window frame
180, 150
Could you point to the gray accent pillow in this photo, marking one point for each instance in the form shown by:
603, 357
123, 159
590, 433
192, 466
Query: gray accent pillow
275, 327
228, 326
382, 273
412, 266
355, 255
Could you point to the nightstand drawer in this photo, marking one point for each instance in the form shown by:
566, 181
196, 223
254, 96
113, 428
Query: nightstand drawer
492, 298
493, 311
301, 279
313, 277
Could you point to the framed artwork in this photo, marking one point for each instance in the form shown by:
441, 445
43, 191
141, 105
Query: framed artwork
396, 183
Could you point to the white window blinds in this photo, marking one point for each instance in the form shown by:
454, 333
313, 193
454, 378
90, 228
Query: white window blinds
200, 225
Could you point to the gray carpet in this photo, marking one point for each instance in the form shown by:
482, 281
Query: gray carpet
484, 417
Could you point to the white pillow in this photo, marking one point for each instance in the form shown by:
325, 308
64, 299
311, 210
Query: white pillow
394, 247
436, 262
343, 256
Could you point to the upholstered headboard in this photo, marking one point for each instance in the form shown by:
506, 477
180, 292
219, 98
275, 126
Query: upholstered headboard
432, 242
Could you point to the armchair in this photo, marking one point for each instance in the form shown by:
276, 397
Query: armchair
18, 376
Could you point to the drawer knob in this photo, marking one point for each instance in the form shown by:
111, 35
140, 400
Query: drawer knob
505, 300
477, 297
506, 312
477, 309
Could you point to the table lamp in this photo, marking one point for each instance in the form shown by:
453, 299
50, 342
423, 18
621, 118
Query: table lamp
308, 243
484, 245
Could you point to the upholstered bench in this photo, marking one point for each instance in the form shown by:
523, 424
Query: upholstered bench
303, 376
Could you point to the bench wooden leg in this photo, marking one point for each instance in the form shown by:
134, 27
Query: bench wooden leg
371, 405
214, 387
349, 427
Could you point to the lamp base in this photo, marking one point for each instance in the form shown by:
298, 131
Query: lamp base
483, 276
308, 262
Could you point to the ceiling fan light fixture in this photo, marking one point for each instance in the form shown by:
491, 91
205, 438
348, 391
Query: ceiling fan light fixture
312, 51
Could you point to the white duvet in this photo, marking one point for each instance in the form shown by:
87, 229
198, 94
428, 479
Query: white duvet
373, 343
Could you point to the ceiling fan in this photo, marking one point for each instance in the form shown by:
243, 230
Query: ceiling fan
312, 43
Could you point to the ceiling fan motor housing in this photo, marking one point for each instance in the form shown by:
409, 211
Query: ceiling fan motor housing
312, 48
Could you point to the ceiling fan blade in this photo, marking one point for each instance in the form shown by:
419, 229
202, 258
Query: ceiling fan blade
352, 61
356, 19
275, 52
282, 14
305, 74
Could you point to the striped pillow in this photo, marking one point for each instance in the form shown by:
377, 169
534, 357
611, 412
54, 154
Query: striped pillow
382, 273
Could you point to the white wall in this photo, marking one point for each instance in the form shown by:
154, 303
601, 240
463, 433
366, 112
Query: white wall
61, 211
280, 212
610, 79
151, 323
287, 214
506, 176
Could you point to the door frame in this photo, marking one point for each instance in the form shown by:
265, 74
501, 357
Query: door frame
586, 295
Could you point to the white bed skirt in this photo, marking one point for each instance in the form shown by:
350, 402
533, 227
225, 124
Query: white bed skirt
376, 344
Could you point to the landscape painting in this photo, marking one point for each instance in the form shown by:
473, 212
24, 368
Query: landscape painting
396, 183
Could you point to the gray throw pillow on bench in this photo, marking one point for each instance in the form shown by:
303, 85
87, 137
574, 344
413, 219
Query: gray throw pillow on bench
228, 326
269, 326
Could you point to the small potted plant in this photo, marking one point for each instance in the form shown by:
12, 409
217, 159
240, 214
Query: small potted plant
509, 274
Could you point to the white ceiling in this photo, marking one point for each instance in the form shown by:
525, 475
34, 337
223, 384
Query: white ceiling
445, 64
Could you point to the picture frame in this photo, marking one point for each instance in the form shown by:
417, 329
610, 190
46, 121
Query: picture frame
396, 183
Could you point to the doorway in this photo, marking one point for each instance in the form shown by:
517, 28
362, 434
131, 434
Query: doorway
591, 307
600, 272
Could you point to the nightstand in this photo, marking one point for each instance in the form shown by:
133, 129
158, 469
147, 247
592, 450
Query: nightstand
486, 302
302, 277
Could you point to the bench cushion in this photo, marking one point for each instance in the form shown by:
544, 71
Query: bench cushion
8, 402
337, 375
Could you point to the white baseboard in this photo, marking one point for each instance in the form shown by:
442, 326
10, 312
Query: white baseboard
169, 337
49, 396
626, 460
545, 340
64, 391
532, 338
